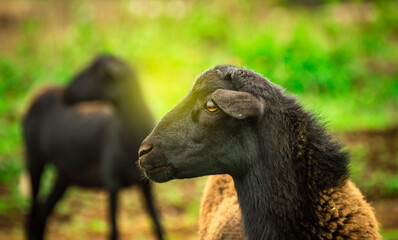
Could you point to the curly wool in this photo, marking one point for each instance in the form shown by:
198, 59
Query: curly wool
344, 214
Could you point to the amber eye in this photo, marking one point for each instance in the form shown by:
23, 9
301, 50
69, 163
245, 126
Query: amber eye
210, 106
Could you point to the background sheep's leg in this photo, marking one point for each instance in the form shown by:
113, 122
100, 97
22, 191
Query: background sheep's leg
35, 172
146, 188
47, 208
113, 210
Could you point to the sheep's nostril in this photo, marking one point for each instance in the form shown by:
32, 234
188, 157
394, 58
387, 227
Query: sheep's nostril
144, 150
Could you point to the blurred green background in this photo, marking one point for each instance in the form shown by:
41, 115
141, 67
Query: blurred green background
339, 57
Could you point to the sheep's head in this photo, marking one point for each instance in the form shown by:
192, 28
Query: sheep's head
213, 130
104, 79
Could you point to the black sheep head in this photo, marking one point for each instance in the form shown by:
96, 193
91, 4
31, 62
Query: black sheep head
214, 129
105, 78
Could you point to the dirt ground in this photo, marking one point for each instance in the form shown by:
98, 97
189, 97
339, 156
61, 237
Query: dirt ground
83, 214
85, 218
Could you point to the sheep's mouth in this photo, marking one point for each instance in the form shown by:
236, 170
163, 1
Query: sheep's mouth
160, 174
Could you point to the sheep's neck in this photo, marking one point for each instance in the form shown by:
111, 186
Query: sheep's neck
131, 109
135, 120
269, 209
278, 197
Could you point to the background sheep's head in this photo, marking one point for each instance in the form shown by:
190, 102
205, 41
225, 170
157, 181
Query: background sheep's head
214, 129
105, 78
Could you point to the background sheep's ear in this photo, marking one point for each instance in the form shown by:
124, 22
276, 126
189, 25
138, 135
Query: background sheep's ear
239, 105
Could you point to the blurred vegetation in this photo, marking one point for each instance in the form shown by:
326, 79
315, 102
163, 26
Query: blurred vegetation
339, 58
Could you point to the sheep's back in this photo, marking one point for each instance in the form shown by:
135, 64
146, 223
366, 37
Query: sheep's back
75, 138
220, 215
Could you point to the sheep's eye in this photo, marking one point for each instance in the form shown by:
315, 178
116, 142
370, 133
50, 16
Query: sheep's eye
210, 106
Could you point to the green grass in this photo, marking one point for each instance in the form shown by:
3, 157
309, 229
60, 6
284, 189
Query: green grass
340, 59
391, 234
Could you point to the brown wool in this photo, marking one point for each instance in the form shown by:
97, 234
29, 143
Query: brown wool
220, 215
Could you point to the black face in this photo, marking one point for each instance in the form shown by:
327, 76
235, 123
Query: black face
210, 131
104, 79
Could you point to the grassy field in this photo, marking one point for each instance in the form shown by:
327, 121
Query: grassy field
340, 59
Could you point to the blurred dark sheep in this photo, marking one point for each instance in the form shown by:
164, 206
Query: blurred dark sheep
90, 131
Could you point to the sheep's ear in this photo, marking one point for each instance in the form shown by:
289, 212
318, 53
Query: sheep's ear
239, 105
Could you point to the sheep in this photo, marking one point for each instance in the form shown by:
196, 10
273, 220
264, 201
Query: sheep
290, 176
90, 143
